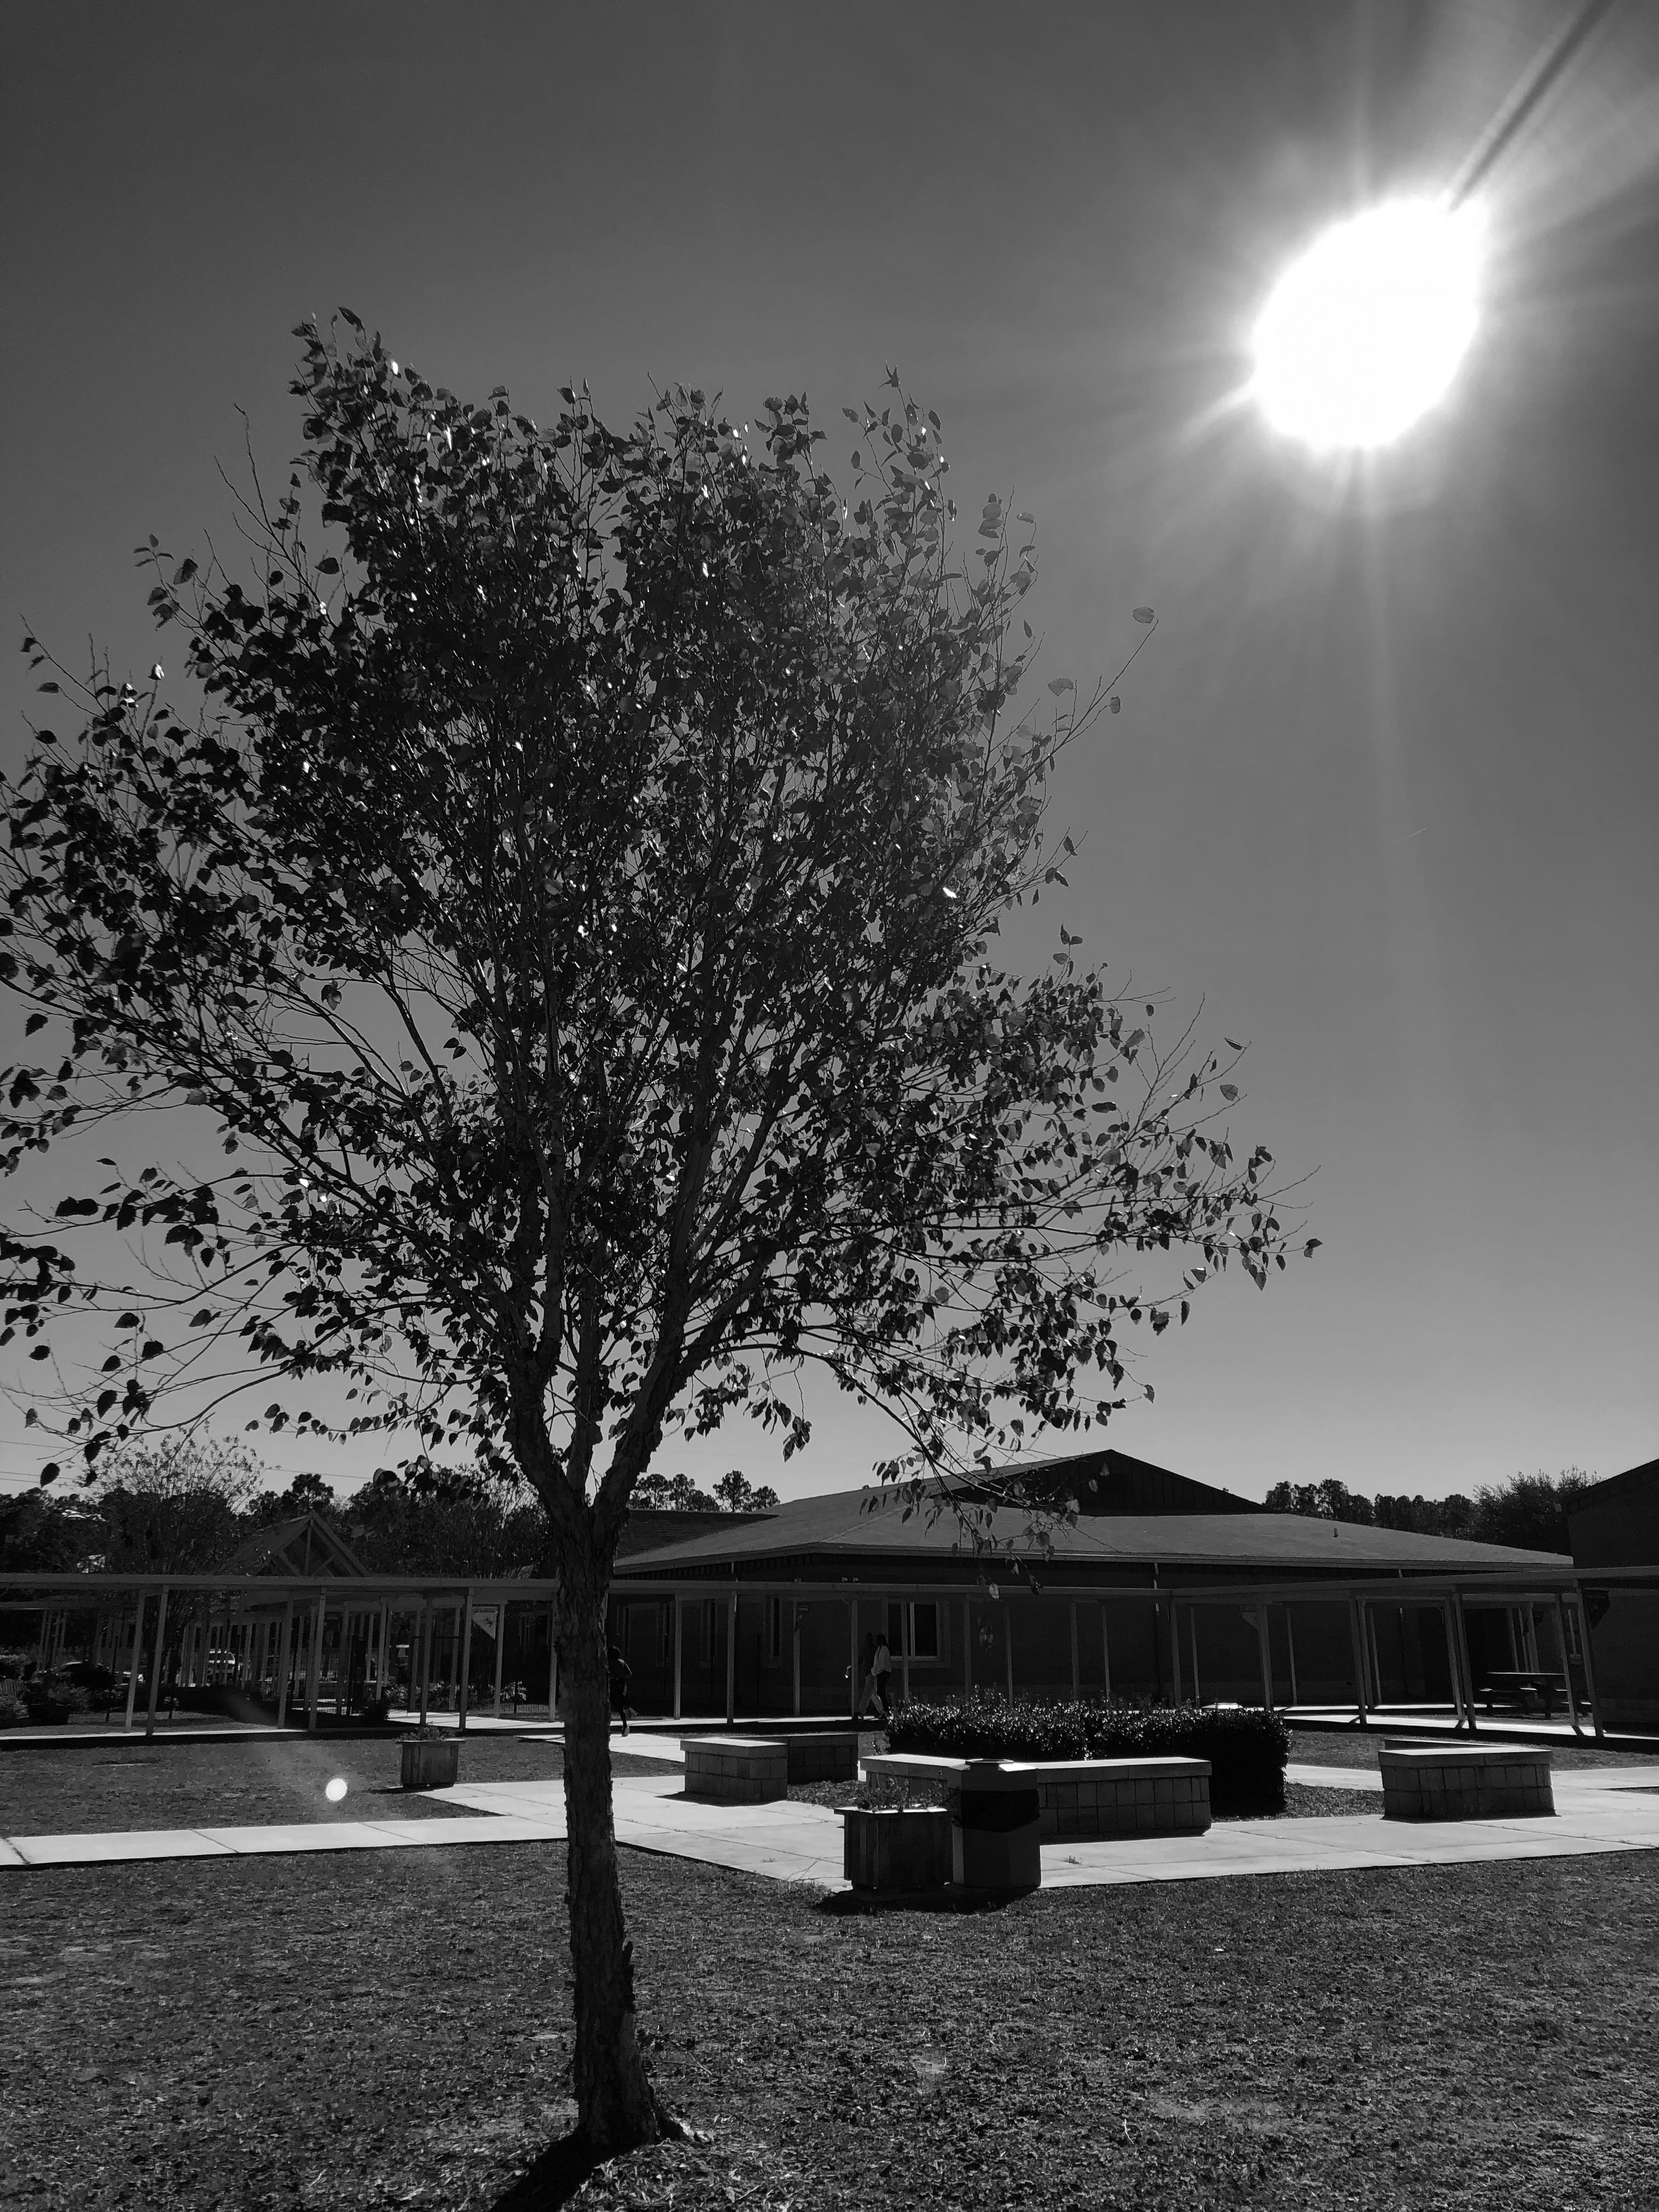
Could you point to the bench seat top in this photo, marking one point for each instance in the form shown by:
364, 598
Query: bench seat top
1023, 1774
1464, 1754
733, 1743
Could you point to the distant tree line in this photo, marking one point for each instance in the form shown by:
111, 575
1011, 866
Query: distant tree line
677, 1493
185, 1506
1530, 1510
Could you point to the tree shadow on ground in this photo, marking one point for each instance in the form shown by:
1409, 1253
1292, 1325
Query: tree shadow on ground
854, 1904
553, 2178
557, 2175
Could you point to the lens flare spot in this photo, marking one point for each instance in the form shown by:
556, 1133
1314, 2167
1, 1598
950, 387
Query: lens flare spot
1362, 334
335, 1791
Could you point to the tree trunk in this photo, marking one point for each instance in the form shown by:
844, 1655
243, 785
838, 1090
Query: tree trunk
616, 2107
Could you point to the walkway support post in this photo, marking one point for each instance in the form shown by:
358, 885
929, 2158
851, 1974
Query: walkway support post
1463, 1658
284, 1667
1105, 1652
1566, 1664
156, 1670
966, 1648
314, 1685
732, 1659
1289, 1650
427, 1611
500, 1650
1008, 1645
1266, 1649
1077, 1676
466, 1683
907, 1620
1174, 1654
1589, 1665
139, 1603
1356, 1638
855, 1695
794, 1640
680, 1651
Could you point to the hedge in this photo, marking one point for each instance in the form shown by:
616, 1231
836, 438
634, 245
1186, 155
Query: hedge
1247, 1749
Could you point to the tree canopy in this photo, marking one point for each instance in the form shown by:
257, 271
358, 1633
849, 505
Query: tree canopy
574, 910
573, 913
1529, 1510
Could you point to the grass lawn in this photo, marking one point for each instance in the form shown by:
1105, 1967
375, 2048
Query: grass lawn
1359, 1747
196, 1785
393, 2028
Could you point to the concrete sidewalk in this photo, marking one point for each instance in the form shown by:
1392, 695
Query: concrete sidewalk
1610, 1809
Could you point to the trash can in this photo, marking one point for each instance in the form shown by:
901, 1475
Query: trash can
997, 1827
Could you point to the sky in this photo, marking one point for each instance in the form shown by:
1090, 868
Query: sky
1383, 797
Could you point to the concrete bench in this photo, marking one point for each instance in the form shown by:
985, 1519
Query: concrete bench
1087, 1797
1463, 1782
736, 1769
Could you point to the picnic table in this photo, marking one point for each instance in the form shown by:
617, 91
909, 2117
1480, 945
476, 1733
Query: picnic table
1519, 1686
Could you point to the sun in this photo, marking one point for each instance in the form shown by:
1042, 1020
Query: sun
1363, 335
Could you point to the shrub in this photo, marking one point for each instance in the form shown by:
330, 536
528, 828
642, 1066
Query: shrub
1247, 1749
13, 1712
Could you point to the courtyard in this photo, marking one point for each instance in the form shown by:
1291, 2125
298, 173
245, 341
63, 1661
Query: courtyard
393, 2027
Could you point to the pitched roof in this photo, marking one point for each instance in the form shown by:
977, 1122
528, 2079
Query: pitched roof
858, 1529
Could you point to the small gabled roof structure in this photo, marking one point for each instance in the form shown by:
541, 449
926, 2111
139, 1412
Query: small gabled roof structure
1102, 1482
305, 1544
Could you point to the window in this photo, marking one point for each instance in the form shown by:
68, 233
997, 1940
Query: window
774, 1630
706, 1631
924, 1629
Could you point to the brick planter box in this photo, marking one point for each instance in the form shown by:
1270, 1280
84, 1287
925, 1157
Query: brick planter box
1462, 1782
900, 1852
736, 1769
430, 1763
831, 1756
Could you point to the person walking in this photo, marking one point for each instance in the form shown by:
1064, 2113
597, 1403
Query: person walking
621, 1675
883, 1669
866, 1677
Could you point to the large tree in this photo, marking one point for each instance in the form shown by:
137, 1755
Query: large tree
573, 909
